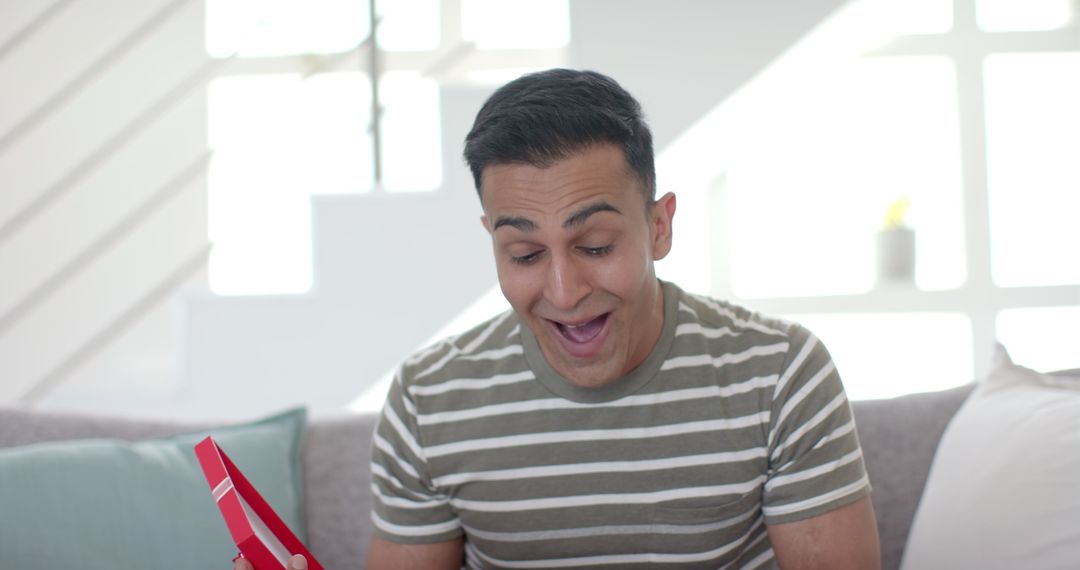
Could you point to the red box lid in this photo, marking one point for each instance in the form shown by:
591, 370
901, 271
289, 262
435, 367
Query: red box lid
259, 533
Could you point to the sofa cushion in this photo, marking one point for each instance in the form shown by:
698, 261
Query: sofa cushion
337, 477
108, 503
1003, 490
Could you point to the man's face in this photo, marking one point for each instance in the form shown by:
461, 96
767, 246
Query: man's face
574, 248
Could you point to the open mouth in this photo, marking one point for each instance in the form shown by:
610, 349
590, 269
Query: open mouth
584, 332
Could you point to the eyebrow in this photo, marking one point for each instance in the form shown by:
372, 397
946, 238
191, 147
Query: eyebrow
575, 219
522, 224
579, 217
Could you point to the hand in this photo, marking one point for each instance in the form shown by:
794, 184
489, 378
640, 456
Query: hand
297, 562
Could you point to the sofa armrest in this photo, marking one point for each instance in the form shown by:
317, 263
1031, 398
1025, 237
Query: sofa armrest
899, 437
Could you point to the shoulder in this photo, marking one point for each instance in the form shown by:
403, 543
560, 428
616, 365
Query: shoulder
716, 314
484, 344
731, 334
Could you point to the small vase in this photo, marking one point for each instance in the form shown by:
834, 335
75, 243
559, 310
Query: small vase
896, 256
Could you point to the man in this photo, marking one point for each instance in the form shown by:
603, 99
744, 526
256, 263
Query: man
610, 419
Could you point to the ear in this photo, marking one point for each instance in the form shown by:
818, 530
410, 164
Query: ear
663, 212
484, 222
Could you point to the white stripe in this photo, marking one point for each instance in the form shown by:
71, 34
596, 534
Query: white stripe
600, 467
414, 530
755, 383
379, 472
403, 432
483, 336
410, 406
420, 355
812, 423
837, 433
548, 404
497, 353
684, 307
450, 354
597, 435
792, 368
817, 501
620, 559
473, 557
758, 560
384, 446
606, 499
454, 350
472, 383
804, 353
747, 323
797, 398
614, 530
718, 361
696, 328
404, 503
805, 474
221, 489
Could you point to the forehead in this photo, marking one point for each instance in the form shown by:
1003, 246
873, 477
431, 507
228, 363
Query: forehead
592, 173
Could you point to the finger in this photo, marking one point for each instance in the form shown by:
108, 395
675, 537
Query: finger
298, 562
242, 564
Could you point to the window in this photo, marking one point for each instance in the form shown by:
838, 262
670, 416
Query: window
265, 28
411, 132
1033, 139
1022, 15
1042, 338
292, 116
277, 139
970, 113
838, 143
409, 25
507, 24
882, 355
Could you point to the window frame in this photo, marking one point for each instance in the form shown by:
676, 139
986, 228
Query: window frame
979, 298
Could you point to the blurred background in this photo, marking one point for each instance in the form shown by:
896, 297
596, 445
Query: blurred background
214, 208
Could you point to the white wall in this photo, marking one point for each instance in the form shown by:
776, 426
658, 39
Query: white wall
681, 58
84, 238
193, 354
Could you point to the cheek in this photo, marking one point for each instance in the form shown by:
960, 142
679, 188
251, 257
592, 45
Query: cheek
623, 274
516, 284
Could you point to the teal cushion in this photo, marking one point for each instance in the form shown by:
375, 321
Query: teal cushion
116, 504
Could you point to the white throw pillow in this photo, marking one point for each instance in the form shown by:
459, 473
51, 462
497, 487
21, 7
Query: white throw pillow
1004, 488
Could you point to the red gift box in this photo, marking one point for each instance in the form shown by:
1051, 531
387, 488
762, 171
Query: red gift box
259, 533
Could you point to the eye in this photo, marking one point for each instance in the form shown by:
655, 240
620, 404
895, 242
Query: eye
596, 251
527, 259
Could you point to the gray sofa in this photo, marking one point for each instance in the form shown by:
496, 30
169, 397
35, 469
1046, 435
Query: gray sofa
899, 437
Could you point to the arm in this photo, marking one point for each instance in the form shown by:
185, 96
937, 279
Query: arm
845, 538
383, 554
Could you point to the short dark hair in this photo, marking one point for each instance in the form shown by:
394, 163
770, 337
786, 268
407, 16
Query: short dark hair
541, 118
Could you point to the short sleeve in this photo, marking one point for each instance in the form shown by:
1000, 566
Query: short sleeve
815, 462
407, 508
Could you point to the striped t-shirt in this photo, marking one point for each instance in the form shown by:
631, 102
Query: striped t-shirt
733, 421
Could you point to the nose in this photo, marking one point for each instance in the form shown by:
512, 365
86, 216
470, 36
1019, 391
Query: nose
567, 283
